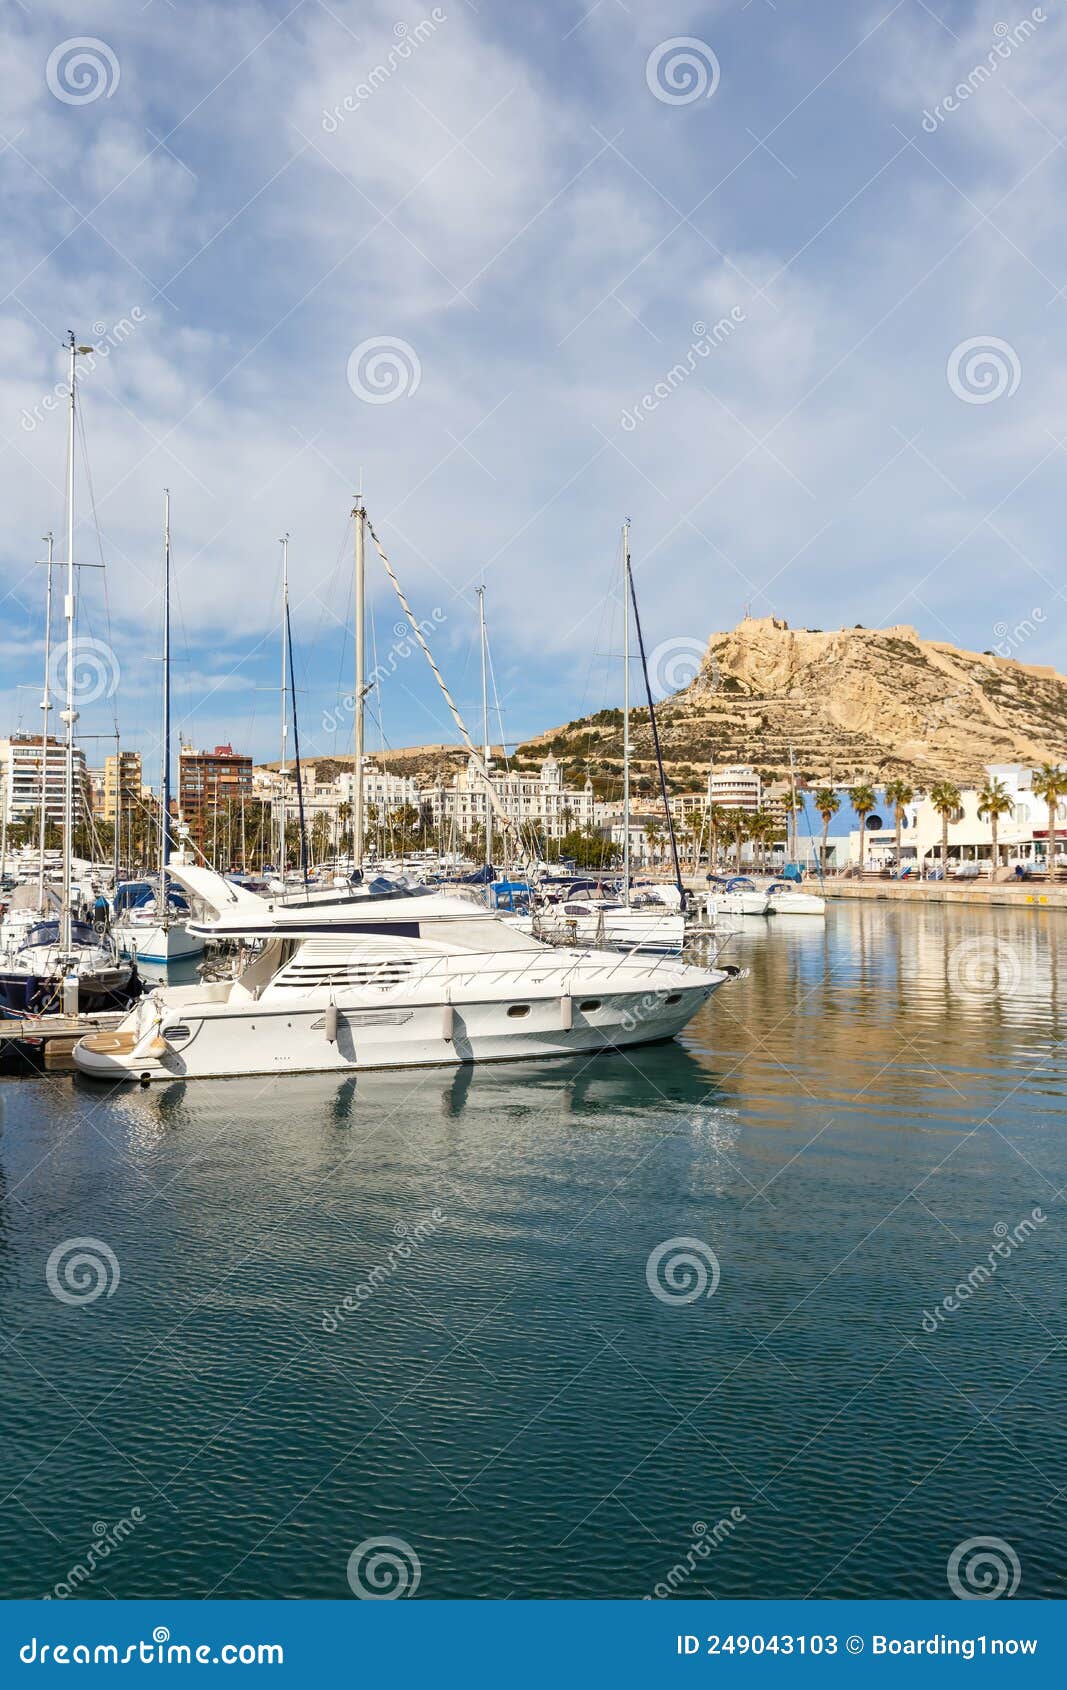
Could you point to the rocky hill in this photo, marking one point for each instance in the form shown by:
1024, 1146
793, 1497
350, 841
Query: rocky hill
852, 702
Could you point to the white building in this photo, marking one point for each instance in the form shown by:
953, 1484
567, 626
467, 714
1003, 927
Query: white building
21, 779
1022, 833
736, 787
386, 791
539, 802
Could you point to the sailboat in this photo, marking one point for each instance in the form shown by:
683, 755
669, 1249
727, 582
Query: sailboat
389, 978
629, 921
63, 963
153, 925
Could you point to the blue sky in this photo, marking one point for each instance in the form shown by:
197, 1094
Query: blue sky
539, 236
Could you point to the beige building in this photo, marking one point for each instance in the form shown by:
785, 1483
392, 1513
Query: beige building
123, 783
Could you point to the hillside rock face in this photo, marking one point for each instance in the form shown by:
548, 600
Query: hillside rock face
851, 702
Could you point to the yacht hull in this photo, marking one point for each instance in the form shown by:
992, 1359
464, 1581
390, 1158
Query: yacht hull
220, 1042
159, 944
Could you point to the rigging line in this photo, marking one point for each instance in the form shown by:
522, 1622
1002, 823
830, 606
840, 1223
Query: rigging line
531, 828
476, 756
296, 749
655, 737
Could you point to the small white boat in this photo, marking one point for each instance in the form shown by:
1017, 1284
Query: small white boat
785, 898
734, 895
610, 924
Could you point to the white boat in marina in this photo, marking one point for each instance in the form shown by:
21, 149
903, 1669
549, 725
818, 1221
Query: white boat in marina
610, 924
784, 897
734, 895
397, 980
143, 933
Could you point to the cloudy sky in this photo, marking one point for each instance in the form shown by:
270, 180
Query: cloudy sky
536, 216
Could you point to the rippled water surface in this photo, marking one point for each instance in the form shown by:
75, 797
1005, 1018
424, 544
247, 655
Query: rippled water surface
849, 1131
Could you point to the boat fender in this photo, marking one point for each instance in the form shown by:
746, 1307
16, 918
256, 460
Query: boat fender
448, 1022
566, 1012
331, 1024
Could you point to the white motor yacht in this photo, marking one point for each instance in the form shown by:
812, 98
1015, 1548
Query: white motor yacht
397, 980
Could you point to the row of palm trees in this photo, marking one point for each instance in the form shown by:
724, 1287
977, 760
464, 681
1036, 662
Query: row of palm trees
1049, 783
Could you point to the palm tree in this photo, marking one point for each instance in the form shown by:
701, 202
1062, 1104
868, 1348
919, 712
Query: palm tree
1048, 782
827, 803
994, 802
738, 831
861, 798
899, 794
718, 819
945, 797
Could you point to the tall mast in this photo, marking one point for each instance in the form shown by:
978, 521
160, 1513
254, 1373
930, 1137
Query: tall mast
164, 774
69, 715
485, 736
626, 711
357, 770
283, 769
46, 708
792, 807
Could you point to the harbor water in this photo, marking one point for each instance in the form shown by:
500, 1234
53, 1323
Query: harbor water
701, 1319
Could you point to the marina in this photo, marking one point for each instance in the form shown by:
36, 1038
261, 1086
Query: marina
533, 840
509, 1397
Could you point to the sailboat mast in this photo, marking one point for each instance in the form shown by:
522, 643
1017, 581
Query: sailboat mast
357, 769
283, 768
164, 773
792, 807
69, 715
626, 711
46, 708
485, 735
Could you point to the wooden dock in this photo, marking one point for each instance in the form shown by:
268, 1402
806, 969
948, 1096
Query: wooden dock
44, 1044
